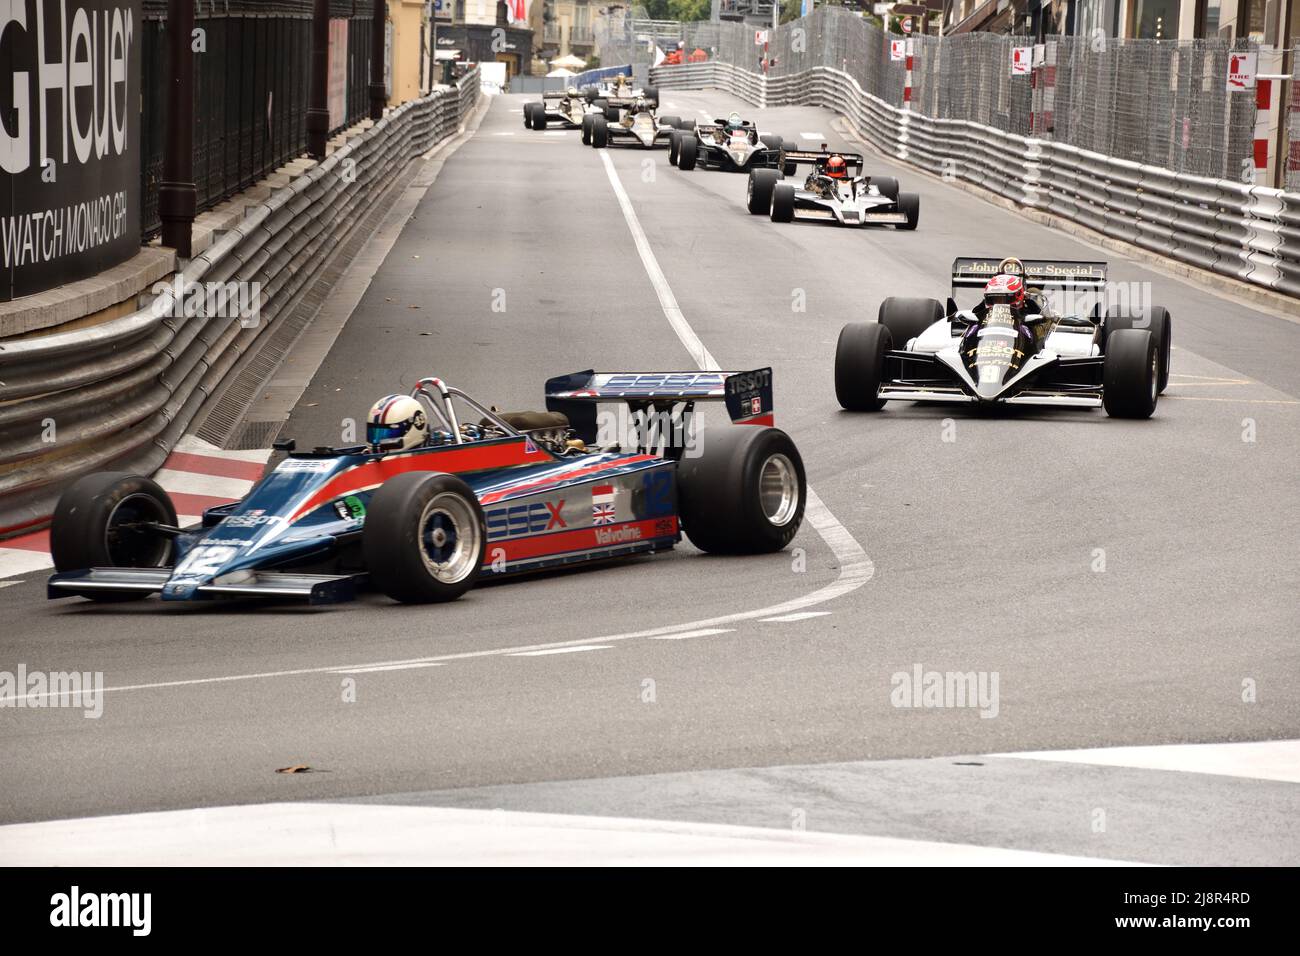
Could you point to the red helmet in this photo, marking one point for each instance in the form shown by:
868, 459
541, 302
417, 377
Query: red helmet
836, 168
1005, 290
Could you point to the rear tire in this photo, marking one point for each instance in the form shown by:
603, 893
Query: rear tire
91, 527
674, 143
909, 204
528, 115
672, 121
424, 538
599, 131
586, 129
860, 366
758, 196
887, 186
771, 140
612, 114
783, 203
651, 96
790, 169
1161, 326
907, 318
687, 152
1131, 374
745, 494
539, 116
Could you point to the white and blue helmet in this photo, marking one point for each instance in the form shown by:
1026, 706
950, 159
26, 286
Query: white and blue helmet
397, 416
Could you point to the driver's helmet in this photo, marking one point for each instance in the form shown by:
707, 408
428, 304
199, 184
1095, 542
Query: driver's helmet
397, 416
571, 91
836, 168
1005, 289
734, 122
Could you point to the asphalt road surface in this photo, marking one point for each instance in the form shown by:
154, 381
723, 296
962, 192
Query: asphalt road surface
1124, 582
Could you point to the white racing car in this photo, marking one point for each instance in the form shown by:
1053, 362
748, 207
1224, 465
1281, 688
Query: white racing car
835, 191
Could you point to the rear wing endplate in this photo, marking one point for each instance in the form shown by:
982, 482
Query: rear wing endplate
747, 395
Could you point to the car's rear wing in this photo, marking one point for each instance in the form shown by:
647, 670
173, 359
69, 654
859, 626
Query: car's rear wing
854, 161
974, 271
748, 395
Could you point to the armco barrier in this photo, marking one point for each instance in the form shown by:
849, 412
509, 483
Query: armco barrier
1250, 233
119, 395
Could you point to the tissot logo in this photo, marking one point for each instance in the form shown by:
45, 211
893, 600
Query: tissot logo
75, 908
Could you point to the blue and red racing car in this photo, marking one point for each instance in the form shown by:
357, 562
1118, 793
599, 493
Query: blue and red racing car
481, 494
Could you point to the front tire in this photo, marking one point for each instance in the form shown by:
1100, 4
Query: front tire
539, 116
1130, 374
860, 366
674, 144
586, 129
745, 494
599, 131
528, 115
886, 186
909, 204
783, 203
96, 525
424, 538
1161, 326
758, 197
687, 152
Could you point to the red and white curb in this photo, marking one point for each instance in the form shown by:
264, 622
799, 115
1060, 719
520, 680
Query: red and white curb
197, 475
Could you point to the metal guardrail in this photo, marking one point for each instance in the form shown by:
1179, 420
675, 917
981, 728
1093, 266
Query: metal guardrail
1247, 232
121, 394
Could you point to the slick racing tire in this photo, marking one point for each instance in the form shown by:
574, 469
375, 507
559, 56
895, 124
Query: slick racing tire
771, 140
528, 115
790, 169
783, 203
745, 494
1130, 385
907, 318
612, 114
758, 197
909, 204
95, 525
599, 131
673, 121
674, 144
860, 366
586, 129
687, 152
1161, 326
686, 125
651, 96
424, 538
886, 186
600, 103
539, 116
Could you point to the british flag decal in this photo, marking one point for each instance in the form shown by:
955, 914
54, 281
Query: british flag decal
602, 505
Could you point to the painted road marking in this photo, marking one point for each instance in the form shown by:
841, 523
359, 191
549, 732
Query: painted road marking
791, 618
1261, 760
390, 667
562, 650
556, 132
702, 632
9, 584
817, 136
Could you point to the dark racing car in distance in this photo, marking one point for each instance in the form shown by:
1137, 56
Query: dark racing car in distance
731, 144
568, 108
1013, 347
638, 126
835, 190
453, 493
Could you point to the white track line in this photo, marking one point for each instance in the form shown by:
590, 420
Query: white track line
791, 618
390, 667
578, 648
1261, 760
702, 632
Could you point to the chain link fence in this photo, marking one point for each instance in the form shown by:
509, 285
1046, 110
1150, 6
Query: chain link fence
1160, 102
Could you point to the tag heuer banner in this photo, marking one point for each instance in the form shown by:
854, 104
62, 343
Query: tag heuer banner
69, 140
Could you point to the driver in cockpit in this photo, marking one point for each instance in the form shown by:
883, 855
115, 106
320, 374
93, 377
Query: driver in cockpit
394, 417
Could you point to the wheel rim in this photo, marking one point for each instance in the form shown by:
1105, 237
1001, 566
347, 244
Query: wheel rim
1155, 374
778, 490
126, 543
449, 538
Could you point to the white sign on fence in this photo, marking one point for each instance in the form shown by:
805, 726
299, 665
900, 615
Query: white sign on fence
1040, 54
1021, 60
880, 9
1241, 71
760, 37
897, 49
